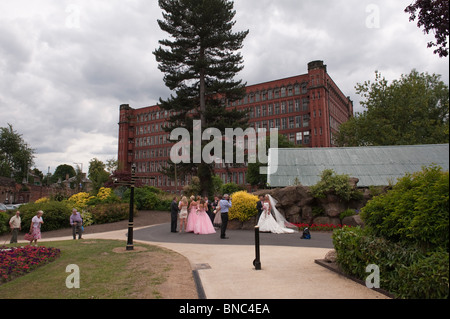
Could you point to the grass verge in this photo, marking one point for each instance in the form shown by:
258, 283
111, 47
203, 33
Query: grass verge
107, 271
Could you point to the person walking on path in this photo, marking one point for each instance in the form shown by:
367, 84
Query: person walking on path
76, 221
15, 225
173, 215
225, 205
35, 227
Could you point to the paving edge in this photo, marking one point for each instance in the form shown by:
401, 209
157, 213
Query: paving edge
333, 267
198, 284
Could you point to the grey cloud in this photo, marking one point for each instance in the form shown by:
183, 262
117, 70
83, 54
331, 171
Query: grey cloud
61, 85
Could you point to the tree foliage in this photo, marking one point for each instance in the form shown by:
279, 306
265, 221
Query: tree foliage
63, 171
200, 63
253, 176
433, 16
16, 157
337, 184
412, 110
97, 173
415, 211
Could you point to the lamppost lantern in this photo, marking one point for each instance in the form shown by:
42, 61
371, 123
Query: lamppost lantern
130, 245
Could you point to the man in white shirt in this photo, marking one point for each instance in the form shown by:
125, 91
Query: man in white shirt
15, 225
225, 204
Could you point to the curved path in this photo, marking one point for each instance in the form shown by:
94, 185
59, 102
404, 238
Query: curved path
225, 267
161, 233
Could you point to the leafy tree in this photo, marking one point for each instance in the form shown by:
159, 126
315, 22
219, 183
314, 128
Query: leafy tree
415, 211
433, 16
338, 184
253, 175
412, 110
16, 157
61, 172
97, 174
200, 65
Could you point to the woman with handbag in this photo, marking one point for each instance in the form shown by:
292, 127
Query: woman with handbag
35, 227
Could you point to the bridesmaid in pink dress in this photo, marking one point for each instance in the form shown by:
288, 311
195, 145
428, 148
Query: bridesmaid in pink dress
203, 225
192, 217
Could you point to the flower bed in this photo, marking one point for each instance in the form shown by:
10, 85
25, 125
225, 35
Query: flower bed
16, 262
319, 227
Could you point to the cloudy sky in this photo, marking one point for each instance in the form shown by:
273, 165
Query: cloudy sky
67, 65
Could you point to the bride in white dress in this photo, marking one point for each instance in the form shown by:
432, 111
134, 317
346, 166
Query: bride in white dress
271, 219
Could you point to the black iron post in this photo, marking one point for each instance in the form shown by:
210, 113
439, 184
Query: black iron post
130, 219
257, 262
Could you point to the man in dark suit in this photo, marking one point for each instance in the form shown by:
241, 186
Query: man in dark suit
259, 206
173, 215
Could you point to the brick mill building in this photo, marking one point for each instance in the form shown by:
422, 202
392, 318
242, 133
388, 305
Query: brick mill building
307, 109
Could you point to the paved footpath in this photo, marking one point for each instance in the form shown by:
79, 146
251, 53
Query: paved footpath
226, 270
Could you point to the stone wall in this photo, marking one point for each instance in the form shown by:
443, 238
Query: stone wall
298, 205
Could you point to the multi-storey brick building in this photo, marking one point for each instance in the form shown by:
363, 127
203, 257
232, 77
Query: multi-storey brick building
307, 109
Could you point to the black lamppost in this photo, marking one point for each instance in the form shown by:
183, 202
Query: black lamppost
130, 218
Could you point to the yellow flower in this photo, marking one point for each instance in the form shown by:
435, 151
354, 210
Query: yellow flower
80, 199
104, 193
42, 200
243, 206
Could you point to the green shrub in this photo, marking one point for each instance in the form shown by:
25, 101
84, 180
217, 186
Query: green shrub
318, 211
243, 206
4, 222
56, 215
333, 183
346, 213
231, 188
149, 198
426, 278
415, 211
109, 213
405, 271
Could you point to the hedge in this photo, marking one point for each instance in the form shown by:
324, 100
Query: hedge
406, 235
57, 214
415, 211
405, 271
109, 213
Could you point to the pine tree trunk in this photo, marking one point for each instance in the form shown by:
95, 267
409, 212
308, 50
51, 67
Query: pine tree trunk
202, 91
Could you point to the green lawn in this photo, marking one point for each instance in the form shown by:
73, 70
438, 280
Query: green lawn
107, 271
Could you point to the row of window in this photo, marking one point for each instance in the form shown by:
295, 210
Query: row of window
165, 181
297, 138
276, 93
277, 108
284, 123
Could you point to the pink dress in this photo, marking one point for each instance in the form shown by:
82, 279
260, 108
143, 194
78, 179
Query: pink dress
203, 225
192, 218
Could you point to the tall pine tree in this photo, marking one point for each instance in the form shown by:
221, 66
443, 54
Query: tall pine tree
200, 63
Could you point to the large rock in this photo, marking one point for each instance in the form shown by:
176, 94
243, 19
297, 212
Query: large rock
331, 256
291, 201
307, 215
326, 220
354, 220
332, 205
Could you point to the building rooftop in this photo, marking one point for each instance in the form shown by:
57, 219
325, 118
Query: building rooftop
373, 166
